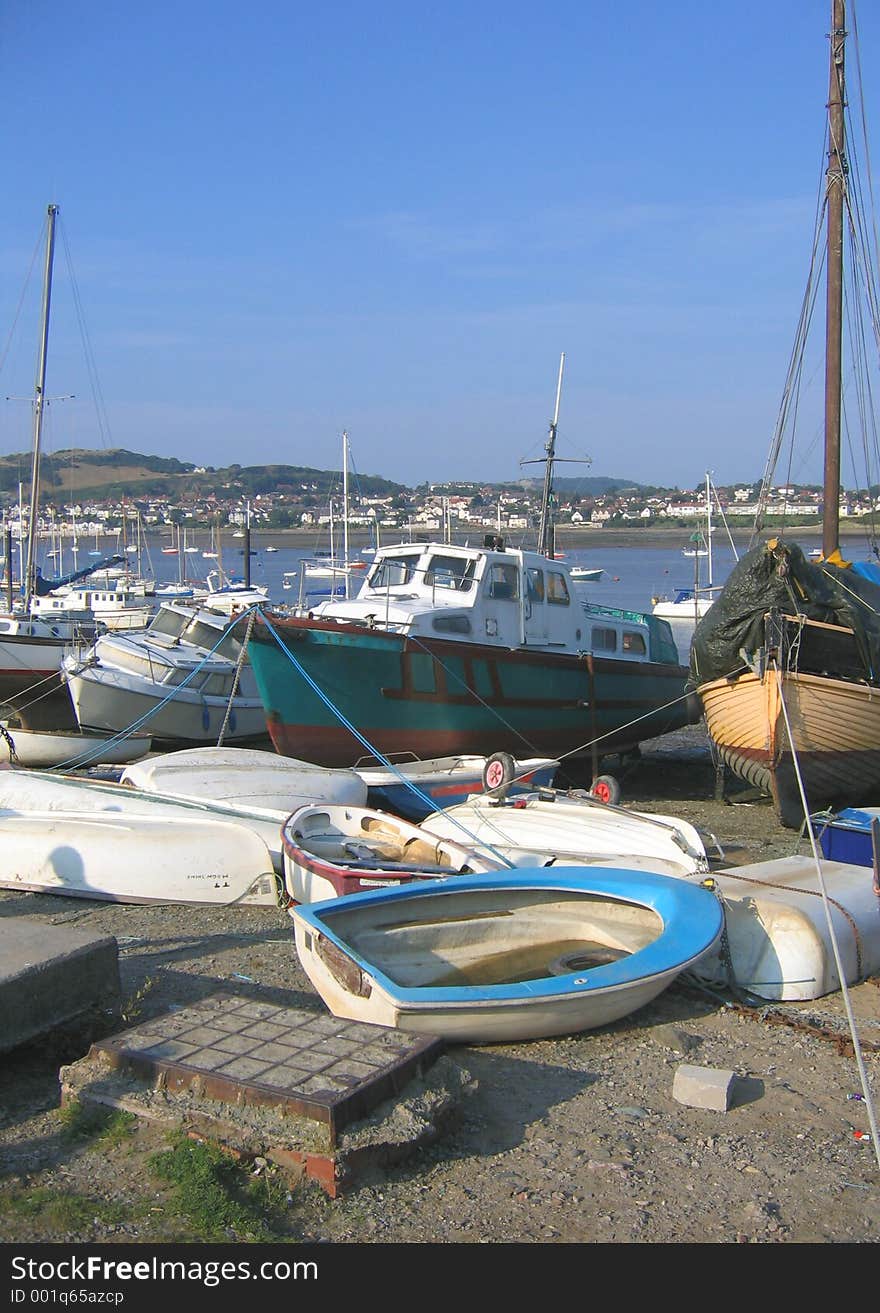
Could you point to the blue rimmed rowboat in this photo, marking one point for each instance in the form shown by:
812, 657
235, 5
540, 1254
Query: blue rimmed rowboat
506, 956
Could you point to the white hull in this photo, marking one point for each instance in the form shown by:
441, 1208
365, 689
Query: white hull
506, 957
26, 792
71, 748
114, 701
136, 859
245, 776
334, 850
573, 831
780, 944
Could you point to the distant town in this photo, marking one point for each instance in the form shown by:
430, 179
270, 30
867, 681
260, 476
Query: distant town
165, 494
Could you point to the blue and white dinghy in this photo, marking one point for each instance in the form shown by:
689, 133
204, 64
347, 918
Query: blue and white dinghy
504, 957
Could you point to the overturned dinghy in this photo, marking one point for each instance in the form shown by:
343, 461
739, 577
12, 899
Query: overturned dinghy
36, 793
245, 776
136, 858
506, 956
779, 944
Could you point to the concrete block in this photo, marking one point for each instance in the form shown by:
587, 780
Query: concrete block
703, 1087
51, 976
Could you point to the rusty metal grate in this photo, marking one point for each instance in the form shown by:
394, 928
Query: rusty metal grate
304, 1063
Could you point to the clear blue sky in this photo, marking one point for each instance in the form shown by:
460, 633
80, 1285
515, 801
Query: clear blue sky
286, 219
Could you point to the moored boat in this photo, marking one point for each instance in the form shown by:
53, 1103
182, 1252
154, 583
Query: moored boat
506, 956
69, 748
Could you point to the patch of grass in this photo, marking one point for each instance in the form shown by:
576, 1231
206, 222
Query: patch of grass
57, 1211
216, 1196
88, 1121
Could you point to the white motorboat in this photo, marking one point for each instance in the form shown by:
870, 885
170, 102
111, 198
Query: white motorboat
184, 680
509, 955
333, 850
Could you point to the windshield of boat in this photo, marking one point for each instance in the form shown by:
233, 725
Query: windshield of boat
392, 571
168, 622
450, 572
206, 635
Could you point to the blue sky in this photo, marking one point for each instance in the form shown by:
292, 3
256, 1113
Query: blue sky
286, 220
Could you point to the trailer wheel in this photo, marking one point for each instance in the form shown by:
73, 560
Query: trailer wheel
499, 773
606, 789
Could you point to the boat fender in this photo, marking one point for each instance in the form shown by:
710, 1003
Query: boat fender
606, 789
499, 773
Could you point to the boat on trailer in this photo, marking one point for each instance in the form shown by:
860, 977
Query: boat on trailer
415, 788
330, 851
506, 956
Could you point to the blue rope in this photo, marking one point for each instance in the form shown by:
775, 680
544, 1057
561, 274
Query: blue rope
423, 797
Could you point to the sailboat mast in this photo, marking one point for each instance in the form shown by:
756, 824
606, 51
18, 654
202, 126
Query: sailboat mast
546, 536
29, 580
345, 511
835, 182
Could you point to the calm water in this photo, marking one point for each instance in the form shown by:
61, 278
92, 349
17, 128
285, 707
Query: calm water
632, 576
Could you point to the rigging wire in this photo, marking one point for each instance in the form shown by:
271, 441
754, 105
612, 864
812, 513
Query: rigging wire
832, 933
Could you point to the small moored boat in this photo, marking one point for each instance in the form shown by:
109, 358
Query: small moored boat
335, 850
416, 788
506, 956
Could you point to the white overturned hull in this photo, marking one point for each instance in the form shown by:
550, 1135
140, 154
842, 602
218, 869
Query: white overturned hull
30, 792
245, 776
779, 940
136, 859
545, 828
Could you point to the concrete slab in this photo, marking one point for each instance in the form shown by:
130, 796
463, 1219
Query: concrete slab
313, 1092
52, 976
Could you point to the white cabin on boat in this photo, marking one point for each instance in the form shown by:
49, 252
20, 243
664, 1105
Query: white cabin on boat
506, 597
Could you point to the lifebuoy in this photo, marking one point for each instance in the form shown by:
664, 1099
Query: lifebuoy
606, 789
499, 773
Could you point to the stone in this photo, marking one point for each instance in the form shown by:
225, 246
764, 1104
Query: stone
703, 1087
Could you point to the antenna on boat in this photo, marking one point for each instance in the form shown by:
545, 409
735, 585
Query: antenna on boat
546, 530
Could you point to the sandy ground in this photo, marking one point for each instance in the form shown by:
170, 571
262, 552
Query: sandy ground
575, 1140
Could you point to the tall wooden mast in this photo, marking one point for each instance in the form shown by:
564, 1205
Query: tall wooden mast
835, 184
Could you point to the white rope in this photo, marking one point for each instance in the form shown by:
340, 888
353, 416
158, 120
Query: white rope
844, 988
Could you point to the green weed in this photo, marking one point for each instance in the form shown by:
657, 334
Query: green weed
216, 1196
85, 1121
57, 1211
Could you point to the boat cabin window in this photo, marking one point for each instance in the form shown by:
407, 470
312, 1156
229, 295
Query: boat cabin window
603, 639
392, 571
557, 589
450, 572
168, 622
634, 642
451, 624
503, 581
535, 585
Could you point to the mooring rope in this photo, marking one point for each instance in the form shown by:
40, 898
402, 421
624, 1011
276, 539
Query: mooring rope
841, 974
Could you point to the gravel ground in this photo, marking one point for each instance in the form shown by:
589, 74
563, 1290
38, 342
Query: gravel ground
576, 1139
